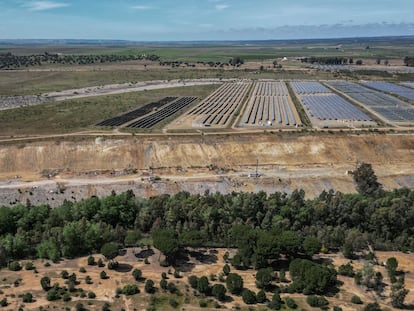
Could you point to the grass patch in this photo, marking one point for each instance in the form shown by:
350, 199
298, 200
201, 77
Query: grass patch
82, 114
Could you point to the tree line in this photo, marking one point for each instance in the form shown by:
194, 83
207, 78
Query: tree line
11, 61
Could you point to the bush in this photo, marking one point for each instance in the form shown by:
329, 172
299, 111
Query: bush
3, 302
103, 275
113, 265
91, 261
106, 307
45, 283
29, 266
163, 284
164, 275
317, 301
336, 308
91, 295
261, 296
249, 297
82, 270
193, 280
52, 295
219, 291
88, 280
129, 290
172, 288
234, 283
291, 303
177, 274
203, 285
356, 300
15, 266
226, 269
27, 298
137, 274
64, 274
372, 307
100, 263
66, 297
346, 270
202, 303
149, 287
173, 303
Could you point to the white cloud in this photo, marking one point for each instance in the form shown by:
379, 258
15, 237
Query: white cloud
221, 7
44, 5
141, 7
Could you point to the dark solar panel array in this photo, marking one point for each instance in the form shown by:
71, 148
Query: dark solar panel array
163, 113
129, 116
308, 87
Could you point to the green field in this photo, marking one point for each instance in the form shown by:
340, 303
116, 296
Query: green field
81, 114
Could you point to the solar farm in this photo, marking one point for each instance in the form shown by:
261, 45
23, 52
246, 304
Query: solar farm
151, 114
327, 109
218, 109
387, 107
391, 88
270, 105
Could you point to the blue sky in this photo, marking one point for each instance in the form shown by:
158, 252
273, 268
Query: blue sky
164, 20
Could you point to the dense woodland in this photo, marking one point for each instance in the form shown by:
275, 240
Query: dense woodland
11, 61
338, 221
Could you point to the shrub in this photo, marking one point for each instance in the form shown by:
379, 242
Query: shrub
91, 295
103, 275
372, 307
261, 296
356, 300
100, 263
146, 261
202, 303
64, 274
336, 308
52, 294
82, 270
106, 307
45, 283
173, 303
129, 290
249, 297
149, 287
137, 274
291, 303
317, 301
193, 280
226, 269
234, 283
15, 266
88, 280
163, 284
91, 261
177, 274
172, 288
27, 298
29, 266
164, 275
203, 285
219, 291
346, 270
3, 302
66, 297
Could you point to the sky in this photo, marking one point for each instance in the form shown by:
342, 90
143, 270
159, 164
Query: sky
189, 20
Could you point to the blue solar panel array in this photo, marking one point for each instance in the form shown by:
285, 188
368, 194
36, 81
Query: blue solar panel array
390, 107
332, 107
409, 84
399, 90
308, 87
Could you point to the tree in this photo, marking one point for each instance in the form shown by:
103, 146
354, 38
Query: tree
249, 297
366, 180
311, 246
264, 277
109, 250
130, 290
132, 238
193, 280
372, 307
91, 261
103, 275
317, 301
219, 291
275, 303
346, 270
45, 283
226, 269
149, 286
203, 286
261, 296
234, 283
291, 303
391, 266
163, 284
166, 240
398, 294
